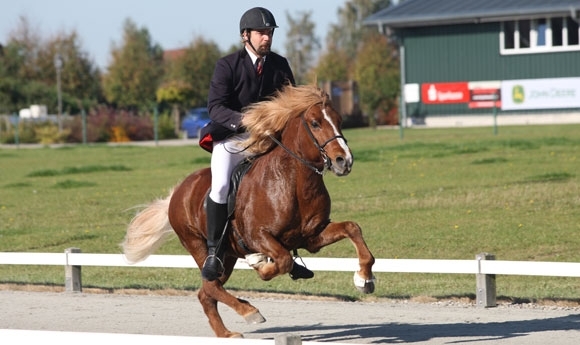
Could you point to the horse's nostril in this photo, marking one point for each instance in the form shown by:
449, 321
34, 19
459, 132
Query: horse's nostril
340, 161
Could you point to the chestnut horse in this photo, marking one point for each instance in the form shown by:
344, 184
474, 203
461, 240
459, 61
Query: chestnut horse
281, 205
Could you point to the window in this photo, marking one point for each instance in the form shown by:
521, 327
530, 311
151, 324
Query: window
541, 29
524, 33
557, 30
572, 31
539, 35
509, 34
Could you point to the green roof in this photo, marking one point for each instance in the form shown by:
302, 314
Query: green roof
412, 13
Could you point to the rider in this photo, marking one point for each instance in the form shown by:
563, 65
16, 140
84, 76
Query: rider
236, 83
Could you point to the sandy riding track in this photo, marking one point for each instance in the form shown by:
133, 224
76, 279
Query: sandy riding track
314, 320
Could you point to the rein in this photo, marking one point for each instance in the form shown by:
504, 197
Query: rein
327, 163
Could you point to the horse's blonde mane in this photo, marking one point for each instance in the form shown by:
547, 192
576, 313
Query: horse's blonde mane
269, 117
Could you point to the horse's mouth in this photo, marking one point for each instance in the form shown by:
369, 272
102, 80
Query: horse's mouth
341, 166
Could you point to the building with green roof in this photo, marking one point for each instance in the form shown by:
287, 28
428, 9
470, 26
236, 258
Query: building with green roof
462, 58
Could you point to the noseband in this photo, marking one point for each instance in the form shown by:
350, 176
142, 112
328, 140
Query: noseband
327, 162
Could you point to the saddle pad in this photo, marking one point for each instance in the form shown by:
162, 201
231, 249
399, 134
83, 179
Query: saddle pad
240, 170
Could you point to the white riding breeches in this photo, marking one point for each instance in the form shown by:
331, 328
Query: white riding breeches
224, 158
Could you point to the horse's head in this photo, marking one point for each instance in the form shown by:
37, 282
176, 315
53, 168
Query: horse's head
323, 125
302, 117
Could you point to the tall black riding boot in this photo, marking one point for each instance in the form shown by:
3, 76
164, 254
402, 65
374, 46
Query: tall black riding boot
217, 217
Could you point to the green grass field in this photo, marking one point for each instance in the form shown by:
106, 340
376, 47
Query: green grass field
436, 194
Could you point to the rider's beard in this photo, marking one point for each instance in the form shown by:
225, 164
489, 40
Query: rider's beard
263, 49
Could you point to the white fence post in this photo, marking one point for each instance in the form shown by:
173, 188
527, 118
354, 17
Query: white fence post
72, 274
486, 291
287, 339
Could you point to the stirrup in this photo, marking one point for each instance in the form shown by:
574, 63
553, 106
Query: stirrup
213, 268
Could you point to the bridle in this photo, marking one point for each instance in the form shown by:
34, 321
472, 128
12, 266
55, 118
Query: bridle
327, 163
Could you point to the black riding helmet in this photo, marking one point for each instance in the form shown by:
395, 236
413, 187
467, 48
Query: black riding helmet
257, 18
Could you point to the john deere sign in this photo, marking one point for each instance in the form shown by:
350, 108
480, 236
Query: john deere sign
540, 93
518, 94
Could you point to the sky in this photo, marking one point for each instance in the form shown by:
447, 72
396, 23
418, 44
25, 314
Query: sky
171, 23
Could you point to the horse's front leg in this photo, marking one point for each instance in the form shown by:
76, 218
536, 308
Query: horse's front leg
334, 232
276, 260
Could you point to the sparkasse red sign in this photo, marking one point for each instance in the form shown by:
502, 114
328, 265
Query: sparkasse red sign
439, 93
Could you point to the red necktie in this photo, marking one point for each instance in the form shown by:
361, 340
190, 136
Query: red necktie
259, 65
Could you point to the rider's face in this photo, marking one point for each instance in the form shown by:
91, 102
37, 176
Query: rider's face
262, 40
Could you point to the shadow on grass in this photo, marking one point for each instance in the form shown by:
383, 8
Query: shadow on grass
550, 177
77, 170
69, 184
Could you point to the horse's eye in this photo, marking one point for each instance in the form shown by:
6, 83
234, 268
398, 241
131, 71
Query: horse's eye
315, 124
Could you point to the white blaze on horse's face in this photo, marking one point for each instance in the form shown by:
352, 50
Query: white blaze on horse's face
343, 166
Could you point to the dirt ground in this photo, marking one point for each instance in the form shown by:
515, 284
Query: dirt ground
313, 319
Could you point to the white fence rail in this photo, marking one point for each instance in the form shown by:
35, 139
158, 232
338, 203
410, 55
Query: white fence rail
17, 337
527, 268
485, 267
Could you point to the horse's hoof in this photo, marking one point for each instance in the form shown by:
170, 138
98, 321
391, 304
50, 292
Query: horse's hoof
235, 335
254, 318
368, 288
364, 285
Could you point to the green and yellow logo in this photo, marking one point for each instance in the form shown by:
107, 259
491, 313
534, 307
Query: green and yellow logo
518, 94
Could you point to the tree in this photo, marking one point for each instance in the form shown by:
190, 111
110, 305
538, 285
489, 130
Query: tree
135, 72
80, 75
349, 32
28, 73
12, 95
354, 52
377, 73
301, 45
25, 43
345, 37
196, 67
333, 65
187, 77
18, 71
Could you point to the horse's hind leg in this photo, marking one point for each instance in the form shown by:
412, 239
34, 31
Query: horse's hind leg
213, 292
334, 232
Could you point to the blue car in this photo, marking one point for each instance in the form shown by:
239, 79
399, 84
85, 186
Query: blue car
194, 120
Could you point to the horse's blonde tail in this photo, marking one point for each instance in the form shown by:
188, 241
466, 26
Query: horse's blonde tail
148, 230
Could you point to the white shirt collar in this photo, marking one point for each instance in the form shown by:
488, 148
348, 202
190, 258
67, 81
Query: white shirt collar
253, 56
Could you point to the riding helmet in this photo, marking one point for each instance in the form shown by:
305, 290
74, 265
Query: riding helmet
257, 18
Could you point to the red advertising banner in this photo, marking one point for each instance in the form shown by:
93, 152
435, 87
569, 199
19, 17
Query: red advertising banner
441, 93
484, 98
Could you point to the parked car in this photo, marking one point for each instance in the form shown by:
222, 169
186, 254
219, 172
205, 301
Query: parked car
194, 121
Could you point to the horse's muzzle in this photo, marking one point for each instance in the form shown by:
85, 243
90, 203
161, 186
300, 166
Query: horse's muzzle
341, 166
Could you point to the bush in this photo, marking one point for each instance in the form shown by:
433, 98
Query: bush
47, 133
106, 124
166, 126
102, 125
25, 134
137, 128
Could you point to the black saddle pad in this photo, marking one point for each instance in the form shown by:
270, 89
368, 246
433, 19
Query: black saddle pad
239, 171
